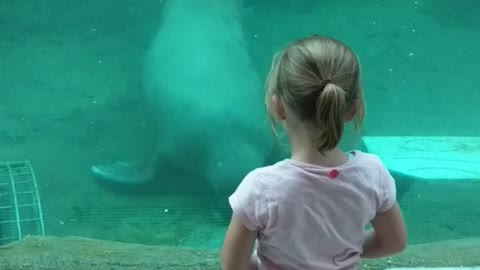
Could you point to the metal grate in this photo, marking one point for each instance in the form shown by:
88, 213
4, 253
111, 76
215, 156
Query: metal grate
20, 208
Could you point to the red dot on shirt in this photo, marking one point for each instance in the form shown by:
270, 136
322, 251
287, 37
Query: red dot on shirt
333, 174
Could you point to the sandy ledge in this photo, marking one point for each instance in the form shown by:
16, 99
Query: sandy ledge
76, 253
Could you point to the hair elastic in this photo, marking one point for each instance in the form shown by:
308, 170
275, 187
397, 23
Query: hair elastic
324, 84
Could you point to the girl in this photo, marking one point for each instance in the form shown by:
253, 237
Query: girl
310, 211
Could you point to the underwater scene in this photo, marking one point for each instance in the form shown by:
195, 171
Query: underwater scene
126, 125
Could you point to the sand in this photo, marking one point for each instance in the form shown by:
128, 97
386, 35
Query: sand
76, 253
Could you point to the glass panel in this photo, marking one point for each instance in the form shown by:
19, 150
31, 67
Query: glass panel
134, 121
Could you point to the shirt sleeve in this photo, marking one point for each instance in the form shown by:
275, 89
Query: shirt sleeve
249, 203
387, 191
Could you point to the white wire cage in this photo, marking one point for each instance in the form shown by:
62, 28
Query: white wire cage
20, 208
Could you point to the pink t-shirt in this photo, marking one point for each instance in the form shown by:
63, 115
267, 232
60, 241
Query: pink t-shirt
308, 220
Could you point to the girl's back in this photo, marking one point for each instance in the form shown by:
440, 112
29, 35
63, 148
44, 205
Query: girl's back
308, 215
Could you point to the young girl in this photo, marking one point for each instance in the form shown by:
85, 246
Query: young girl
310, 211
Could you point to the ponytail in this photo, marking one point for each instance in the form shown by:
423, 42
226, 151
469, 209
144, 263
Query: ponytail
329, 116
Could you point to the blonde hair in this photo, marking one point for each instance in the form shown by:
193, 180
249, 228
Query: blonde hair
318, 78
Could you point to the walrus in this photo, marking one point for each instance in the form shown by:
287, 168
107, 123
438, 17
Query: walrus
206, 98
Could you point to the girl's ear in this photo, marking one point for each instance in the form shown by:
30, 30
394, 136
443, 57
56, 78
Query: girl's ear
353, 110
279, 108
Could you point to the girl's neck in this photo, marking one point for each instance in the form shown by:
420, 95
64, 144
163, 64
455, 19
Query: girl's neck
332, 158
303, 146
303, 149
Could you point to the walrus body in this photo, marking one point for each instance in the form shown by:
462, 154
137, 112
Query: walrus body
205, 94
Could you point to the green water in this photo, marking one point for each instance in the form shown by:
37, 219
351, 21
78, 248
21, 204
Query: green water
72, 96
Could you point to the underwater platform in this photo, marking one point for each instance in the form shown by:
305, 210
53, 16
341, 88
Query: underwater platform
429, 158
438, 182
